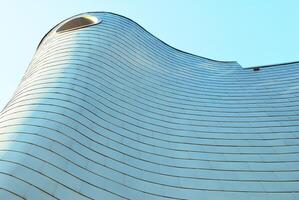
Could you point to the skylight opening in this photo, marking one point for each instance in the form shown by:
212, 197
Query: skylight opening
78, 23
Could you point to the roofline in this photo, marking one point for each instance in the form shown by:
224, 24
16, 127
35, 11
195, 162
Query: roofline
252, 67
140, 27
272, 65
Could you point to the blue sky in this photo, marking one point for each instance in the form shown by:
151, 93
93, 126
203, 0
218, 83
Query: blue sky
252, 32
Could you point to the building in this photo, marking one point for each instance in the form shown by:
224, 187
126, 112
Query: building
108, 111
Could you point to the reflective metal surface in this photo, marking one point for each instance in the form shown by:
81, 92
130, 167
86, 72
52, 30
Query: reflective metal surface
111, 112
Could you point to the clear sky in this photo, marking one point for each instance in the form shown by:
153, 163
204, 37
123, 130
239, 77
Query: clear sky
252, 32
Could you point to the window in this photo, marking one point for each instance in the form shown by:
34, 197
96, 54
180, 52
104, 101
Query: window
78, 22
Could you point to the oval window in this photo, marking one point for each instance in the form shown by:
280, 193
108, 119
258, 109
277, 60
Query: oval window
77, 23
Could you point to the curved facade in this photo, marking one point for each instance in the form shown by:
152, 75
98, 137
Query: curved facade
109, 111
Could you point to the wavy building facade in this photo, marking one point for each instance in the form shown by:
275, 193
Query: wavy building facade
108, 111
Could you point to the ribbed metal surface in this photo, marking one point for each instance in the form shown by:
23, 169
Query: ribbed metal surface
111, 112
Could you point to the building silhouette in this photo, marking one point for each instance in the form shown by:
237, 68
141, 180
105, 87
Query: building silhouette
108, 111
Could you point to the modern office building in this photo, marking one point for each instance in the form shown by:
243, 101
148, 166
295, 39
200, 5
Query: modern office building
108, 111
